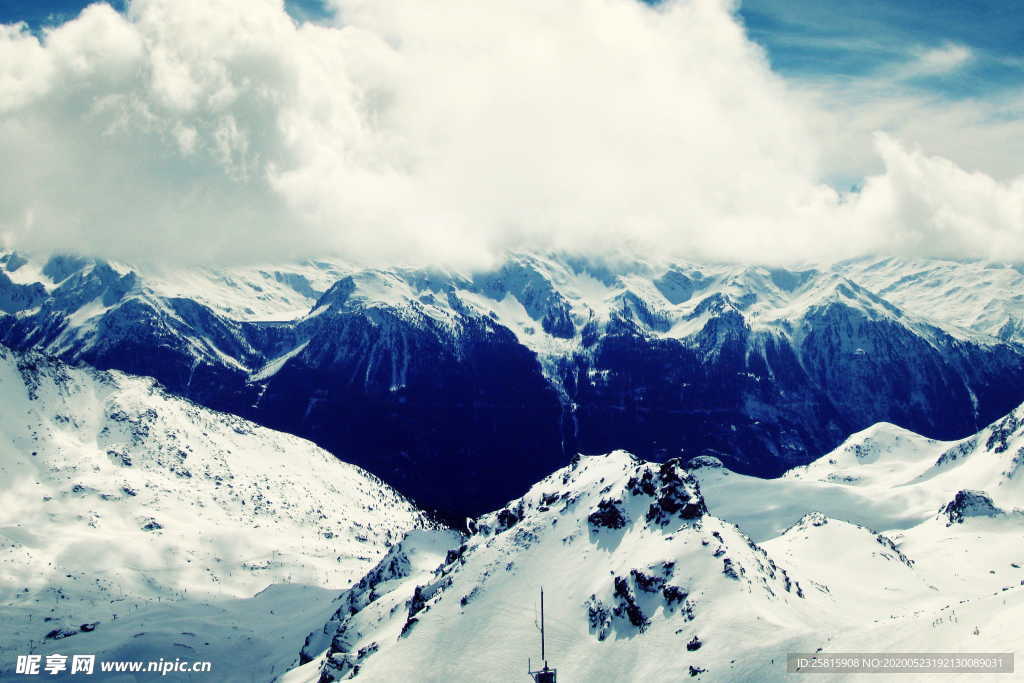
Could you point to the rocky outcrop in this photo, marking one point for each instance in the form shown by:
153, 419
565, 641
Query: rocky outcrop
967, 504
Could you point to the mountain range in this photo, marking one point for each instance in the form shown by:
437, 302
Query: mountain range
140, 525
461, 389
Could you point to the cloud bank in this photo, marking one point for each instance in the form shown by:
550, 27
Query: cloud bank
450, 131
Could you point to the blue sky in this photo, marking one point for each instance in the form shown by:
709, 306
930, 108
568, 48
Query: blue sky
808, 39
842, 39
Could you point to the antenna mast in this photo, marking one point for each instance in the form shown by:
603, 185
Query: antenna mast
543, 657
544, 675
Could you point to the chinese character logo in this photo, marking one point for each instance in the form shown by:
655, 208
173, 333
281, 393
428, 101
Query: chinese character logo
83, 664
28, 664
56, 663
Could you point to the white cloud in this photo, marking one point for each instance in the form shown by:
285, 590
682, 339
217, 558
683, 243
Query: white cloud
979, 134
937, 61
450, 130
929, 205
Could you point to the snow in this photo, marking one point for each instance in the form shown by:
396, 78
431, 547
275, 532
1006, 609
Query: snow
27, 272
119, 499
263, 629
648, 569
971, 301
116, 498
252, 293
978, 300
854, 553
274, 366
885, 475
80, 324
981, 296
477, 607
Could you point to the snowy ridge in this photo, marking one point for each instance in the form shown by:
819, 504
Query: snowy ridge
549, 300
885, 475
123, 506
642, 582
977, 295
891, 457
629, 560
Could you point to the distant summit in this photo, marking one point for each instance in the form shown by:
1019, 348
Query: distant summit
461, 388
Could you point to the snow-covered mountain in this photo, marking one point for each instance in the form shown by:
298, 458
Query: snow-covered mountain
139, 523
134, 524
543, 356
630, 562
885, 476
874, 547
979, 296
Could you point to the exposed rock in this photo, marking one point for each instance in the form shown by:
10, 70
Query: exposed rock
608, 514
968, 503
